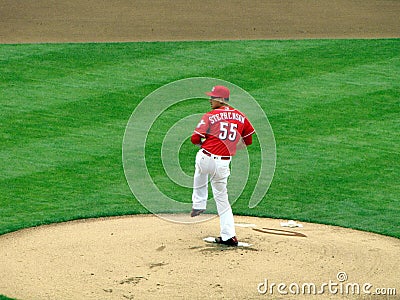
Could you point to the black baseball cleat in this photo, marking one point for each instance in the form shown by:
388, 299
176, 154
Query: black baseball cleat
233, 241
196, 212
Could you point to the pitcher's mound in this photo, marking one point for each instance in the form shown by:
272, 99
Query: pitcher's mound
145, 257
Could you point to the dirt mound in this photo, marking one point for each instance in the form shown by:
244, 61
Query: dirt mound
145, 257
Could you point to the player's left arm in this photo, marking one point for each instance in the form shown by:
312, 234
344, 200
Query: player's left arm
199, 134
197, 139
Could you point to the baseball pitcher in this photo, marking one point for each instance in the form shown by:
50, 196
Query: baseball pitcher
219, 134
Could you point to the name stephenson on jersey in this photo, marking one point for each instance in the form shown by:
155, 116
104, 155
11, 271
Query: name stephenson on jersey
222, 129
222, 116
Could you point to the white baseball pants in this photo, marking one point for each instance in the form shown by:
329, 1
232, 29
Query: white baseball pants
218, 171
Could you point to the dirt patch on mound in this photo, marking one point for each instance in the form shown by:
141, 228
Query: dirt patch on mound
145, 257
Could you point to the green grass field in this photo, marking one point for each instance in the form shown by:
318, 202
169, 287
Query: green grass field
334, 106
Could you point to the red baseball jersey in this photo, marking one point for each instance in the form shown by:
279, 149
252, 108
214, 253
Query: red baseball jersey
222, 128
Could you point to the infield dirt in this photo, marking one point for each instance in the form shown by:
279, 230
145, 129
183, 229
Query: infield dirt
165, 20
145, 257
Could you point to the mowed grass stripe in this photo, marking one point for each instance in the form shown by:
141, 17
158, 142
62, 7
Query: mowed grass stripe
344, 153
291, 96
93, 101
304, 60
78, 190
86, 71
68, 149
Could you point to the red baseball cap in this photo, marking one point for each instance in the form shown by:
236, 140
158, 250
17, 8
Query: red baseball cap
219, 91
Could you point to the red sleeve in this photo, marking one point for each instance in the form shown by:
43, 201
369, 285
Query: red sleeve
200, 131
248, 130
196, 139
248, 140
